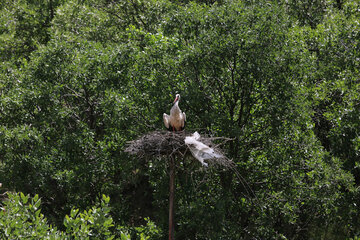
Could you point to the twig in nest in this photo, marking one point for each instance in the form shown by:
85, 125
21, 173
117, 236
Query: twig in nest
163, 143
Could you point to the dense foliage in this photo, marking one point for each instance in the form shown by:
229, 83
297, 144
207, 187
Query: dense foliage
21, 218
79, 79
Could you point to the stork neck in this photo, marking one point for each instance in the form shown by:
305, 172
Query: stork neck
175, 107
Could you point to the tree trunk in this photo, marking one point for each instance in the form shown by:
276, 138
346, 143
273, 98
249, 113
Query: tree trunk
171, 198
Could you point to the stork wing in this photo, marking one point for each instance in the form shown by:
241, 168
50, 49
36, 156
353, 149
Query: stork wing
166, 120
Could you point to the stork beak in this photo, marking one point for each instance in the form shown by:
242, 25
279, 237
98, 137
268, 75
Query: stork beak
176, 99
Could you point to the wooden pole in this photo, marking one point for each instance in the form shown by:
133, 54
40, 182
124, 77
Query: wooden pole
171, 197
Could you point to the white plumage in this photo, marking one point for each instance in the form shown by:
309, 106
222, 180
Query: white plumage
200, 150
176, 120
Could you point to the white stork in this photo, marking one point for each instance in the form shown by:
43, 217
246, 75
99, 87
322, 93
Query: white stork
176, 120
200, 150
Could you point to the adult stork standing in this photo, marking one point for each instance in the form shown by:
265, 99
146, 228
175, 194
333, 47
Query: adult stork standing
176, 120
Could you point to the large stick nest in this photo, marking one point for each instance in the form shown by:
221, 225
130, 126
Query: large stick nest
167, 144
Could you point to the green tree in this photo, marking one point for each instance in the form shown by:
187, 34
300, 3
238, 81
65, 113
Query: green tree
21, 218
81, 78
24, 27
